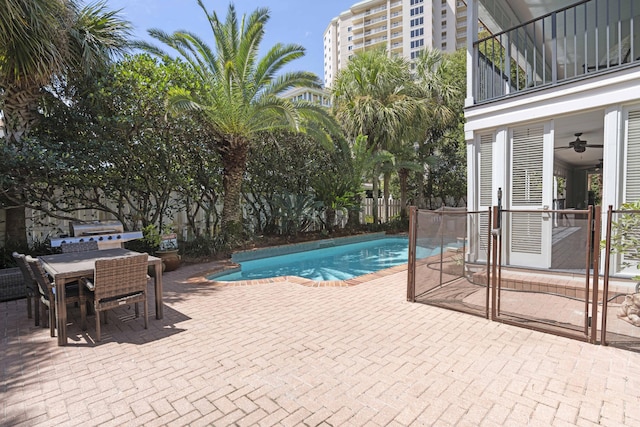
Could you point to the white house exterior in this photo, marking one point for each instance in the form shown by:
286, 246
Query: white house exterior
403, 27
313, 95
551, 70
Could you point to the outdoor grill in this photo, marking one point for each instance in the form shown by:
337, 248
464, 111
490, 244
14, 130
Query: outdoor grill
108, 234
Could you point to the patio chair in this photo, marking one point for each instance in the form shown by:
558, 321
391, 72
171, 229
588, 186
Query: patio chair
31, 287
47, 291
68, 248
118, 281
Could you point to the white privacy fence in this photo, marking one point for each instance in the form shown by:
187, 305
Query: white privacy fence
366, 214
41, 226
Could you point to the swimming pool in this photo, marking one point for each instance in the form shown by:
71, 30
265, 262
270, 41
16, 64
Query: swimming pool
340, 262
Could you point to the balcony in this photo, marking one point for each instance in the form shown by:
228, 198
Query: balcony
375, 41
376, 30
375, 11
373, 21
579, 41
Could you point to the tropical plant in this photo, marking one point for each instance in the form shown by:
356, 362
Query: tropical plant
625, 235
297, 213
45, 45
405, 162
374, 96
279, 162
441, 79
116, 151
238, 92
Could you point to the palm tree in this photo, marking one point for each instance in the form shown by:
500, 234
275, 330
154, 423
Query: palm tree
438, 80
238, 94
44, 44
374, 96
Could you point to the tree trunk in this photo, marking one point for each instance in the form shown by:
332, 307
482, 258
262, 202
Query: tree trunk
234, 159
19, 117
429, 191
16, 229
420, 199
403, 174
330, 216
19, 111
353, 221
376, 186
386, 192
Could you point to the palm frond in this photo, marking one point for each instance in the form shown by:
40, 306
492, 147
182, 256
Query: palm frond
30, 32
275, 59
98, 36
180, 100
149, 48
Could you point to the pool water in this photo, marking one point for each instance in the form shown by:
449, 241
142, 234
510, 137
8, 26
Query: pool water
334, 263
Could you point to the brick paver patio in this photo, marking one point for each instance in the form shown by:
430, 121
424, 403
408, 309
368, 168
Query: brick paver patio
288, 354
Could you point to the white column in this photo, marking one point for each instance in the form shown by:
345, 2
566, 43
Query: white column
500, 162
501, 178
472, 35
547, 165
612, 157
472, 173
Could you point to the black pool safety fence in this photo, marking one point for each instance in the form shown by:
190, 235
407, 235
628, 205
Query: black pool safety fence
566, 272
440, 273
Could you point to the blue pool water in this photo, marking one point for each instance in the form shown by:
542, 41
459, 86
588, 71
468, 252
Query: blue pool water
333, 263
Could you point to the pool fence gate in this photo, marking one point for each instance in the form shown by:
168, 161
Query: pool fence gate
572, 279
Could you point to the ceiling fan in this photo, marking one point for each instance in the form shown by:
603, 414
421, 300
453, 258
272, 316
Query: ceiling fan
579, 145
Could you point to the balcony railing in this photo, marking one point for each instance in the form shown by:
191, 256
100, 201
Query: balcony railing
373, 21
375, 10
590, 37
376, 30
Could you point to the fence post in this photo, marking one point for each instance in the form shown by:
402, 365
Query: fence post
494, 236
588, 289
411, 267
605, 286
596, 232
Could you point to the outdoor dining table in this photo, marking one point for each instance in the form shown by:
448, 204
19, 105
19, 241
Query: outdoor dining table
65, 268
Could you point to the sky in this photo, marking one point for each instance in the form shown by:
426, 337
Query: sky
292, 21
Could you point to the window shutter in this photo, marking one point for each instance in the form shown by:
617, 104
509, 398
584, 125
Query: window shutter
526, 232
526, 228
486, 170
632, 181
486, 189
527, 166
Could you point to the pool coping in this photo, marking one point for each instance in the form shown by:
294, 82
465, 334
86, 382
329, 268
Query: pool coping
231, 265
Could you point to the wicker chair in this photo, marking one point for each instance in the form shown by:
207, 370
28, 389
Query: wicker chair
68, 248
118, 281
73, 293
31, 286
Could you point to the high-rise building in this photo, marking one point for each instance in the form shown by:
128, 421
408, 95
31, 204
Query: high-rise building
403, 27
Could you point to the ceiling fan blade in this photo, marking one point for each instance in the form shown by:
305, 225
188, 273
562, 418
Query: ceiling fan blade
594, 146
561, 148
